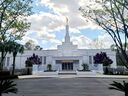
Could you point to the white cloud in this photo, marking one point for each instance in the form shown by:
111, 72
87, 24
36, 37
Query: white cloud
82, 41
45, 24
106, 40
45, 21
67, 8
26, 38
102, 41
54, 43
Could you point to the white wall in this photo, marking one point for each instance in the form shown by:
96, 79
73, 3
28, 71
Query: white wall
50, 54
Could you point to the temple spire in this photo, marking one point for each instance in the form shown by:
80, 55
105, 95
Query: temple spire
67, 37
66, 21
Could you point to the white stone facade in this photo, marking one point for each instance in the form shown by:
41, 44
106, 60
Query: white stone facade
66, 57
57, 57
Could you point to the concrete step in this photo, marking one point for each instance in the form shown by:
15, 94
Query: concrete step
86, 73
67, 73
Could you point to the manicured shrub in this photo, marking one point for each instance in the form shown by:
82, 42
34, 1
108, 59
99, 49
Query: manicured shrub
4, 73
49, 67
102, 58
34, 59
85, 67
8, 77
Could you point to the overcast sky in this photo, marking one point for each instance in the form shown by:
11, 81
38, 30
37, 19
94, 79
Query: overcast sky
48, 25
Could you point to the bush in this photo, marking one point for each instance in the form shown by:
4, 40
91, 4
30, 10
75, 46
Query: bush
50, 71
49, 67
106, 71
4, 73
29, 71
8, 77
85, 67
34, 59
102, 58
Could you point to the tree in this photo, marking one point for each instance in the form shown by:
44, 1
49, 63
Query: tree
34, 59
98, 44
16, 48
113, 47
119, 58
85, 67
13, 23
112, 16
7, 86
102, 58
37, 47
120, 87
30, 45
49, 67
4, 49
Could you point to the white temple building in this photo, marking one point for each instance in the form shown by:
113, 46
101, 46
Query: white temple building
66, 57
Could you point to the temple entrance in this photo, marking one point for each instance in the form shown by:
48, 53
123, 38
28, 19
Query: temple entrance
68, 66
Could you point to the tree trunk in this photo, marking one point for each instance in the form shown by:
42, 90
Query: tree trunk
2, 61
0, 94
13, 69
124, 54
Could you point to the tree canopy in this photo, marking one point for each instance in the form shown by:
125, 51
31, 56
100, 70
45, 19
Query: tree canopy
112, 16
16, 48
13, 22
31, 45
34, 59
102, 58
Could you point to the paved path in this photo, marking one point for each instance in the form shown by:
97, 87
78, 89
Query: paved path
66, 87
73, 76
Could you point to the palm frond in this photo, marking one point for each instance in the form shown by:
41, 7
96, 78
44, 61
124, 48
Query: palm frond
119, 86
7, 86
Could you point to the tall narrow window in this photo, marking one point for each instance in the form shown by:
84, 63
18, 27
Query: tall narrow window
90, 59
8, 60
44, 59
41, 59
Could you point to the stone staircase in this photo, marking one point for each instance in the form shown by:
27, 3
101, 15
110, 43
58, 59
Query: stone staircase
67, 73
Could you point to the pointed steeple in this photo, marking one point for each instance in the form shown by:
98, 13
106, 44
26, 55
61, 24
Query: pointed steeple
67, 37
67, 46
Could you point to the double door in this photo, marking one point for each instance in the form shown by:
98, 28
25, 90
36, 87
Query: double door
67, 66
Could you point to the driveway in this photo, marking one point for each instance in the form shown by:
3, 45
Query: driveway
66, 87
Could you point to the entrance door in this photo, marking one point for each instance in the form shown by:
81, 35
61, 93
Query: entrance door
67, 66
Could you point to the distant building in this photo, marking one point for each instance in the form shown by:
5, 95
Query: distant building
66, 57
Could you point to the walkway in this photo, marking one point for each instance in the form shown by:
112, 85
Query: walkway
74, 76
66, 87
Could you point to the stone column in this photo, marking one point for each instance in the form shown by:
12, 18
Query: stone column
60, 67
54, 64
80, 64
